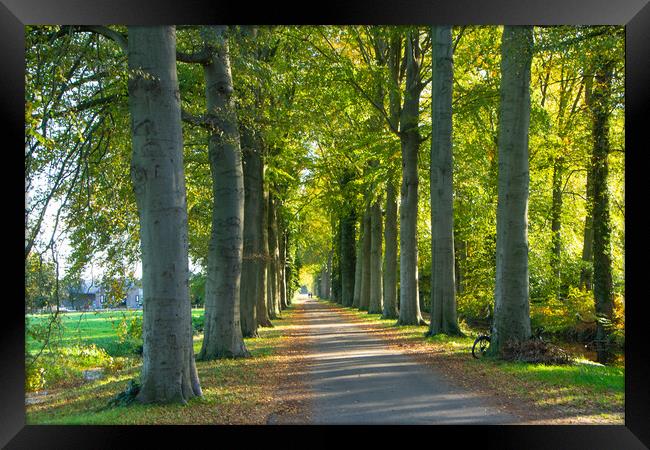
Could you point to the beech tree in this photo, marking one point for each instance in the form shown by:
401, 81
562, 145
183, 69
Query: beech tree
222, 335
409, 311
511, 307
443, 286
253, 274
168, 370
375, 305
366, 247
602, 275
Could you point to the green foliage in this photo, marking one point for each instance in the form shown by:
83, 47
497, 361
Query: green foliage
198, 323
66, 365
475, 304
310, 94
129, 329
557, 316
40, 281
197, 290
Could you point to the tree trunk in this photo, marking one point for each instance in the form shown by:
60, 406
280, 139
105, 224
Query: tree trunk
263, 318
511, 310
376, 295
390, 255
223, 336
328, 276
390, 231
348, 256
274, 253
603, 290
168, 371
288, 267
337, 287
324, 276
364, 296
409, 312
358, 274
282, 264
321, 284
252, 264
443, 284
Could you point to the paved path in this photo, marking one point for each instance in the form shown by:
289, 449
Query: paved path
356, 379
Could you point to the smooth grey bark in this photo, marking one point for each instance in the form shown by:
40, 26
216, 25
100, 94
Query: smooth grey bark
269, 257
289, 266
364, 295
252, 259
375, 305
602, 275
252, 262
274, 253
168, 371
443, 284
222, 333
409, 312
327, 279
336, 264
348, 257
263, 318
390, 230
390, 254
322, 288
512, 310
358, 271
282, 264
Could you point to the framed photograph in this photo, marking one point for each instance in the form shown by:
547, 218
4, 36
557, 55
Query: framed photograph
530, 105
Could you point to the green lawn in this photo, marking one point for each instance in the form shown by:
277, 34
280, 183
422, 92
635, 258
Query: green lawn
235, 391
90, 327
81, 341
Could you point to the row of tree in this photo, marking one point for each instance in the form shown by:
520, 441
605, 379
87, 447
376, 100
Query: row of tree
268, 154
77, 73
391, 79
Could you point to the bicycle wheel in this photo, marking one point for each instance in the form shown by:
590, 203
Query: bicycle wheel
480, 347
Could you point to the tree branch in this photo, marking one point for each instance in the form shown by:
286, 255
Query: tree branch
201, 57
193, 119
108, 33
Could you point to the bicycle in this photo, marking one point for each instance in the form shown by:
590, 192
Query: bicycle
481, 346
482, 343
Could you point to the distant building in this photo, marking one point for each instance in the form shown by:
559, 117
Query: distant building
89, 296
134, 297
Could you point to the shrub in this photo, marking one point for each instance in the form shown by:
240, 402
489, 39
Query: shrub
129, 328
34, 378
475, 305
198, 324
564, 315
66, 365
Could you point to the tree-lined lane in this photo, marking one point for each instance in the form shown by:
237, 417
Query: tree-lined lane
356, 379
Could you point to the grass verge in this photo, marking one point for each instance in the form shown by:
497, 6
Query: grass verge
235, 391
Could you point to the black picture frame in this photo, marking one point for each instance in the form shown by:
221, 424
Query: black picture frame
634, 14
